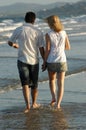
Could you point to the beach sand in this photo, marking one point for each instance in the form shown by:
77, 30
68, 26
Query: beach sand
71, 117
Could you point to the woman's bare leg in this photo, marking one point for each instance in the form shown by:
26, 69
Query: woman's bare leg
60, 82
52, 85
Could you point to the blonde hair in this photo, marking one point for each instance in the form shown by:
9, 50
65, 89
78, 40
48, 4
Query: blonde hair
54, 23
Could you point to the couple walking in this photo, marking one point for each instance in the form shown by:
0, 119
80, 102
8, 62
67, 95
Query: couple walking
29, 41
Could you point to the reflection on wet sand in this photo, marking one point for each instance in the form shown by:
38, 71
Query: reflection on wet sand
46, 119
73, 116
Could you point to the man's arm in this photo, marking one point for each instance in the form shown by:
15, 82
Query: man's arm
41, 49
42, 52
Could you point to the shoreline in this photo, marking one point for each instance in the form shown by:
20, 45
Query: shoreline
72, 115
76, 79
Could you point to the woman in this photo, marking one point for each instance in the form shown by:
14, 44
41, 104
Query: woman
56, 43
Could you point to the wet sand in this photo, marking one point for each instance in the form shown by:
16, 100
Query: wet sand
71, 117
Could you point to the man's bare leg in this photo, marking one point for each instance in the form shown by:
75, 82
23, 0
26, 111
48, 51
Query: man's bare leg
34, 94
26, 93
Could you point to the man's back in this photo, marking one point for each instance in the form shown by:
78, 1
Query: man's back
29, 39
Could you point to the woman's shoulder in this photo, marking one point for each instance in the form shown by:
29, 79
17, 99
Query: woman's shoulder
51, 32
63, 32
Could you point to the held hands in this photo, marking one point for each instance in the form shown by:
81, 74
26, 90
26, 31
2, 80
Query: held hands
44, 66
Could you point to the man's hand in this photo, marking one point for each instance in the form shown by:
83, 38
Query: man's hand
15, 45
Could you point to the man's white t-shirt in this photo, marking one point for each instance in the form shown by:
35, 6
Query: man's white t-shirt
30, 39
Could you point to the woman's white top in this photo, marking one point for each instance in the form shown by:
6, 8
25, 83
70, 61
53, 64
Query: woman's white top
57, 50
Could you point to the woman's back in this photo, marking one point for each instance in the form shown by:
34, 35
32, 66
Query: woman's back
57, 41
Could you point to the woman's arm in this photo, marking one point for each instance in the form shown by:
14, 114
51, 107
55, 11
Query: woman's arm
67, 44
48, 46
47, 51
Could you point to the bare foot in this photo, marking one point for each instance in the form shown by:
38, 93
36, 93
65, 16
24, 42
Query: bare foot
53, 102
34, 106
58, 108
27, 109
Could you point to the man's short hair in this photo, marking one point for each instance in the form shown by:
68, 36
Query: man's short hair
30, 17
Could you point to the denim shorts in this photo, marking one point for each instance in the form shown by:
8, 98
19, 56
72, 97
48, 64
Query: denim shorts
28, 74
57, 67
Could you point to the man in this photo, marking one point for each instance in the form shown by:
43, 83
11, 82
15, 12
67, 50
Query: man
29, 40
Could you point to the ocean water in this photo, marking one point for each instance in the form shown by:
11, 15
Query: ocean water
74, 102
76, 30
